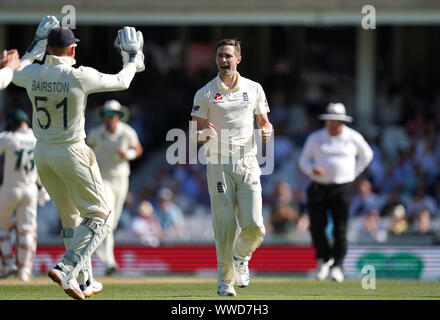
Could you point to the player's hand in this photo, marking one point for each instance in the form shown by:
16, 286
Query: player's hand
38, 45
12, 60
318, 171
130, 44
207, 134
266, 133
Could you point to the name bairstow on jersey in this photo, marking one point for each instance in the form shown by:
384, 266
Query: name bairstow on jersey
50, 86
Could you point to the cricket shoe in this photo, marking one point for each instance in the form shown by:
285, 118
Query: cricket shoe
91, 288
226, 290
241, 271
336, 274
324, 268
60, 275
24, 274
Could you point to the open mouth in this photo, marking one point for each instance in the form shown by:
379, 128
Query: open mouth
225, 68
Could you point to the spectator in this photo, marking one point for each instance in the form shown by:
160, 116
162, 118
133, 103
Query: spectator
283, 213
392, 200
419, 201
399, 223
426, 156
423, 226
170, 215
372, 228
145, 226
365, 200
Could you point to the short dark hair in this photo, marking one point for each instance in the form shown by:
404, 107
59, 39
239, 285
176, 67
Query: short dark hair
230, 42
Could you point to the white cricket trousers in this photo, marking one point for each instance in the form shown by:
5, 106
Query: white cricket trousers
116, 189
71, 176
21, 200
235, 193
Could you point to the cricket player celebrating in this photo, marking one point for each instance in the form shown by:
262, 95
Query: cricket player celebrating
66, 165
224, 111
19, 194
9, 61
115, 144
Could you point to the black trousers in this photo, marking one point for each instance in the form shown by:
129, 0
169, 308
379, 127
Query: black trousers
333, 198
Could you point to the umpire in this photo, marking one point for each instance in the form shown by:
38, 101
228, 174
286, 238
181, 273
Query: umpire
332, 157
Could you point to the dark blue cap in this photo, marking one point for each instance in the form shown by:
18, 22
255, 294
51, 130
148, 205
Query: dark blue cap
61, 37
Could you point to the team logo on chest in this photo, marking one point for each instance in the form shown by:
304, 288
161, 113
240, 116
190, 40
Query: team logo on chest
218, 97
245, 97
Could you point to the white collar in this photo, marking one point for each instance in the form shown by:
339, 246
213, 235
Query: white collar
222, 86
51, 59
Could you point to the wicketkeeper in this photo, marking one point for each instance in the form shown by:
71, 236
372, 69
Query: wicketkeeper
66, 165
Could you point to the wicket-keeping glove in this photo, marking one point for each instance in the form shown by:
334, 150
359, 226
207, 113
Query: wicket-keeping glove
38, 45
130, 43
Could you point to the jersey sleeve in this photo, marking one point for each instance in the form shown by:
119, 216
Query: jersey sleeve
364, 154
261, 107
200, 106
132, 136
93, 81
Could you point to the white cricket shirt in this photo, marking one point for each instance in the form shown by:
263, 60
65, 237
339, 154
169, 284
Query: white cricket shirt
6, 75
232, 113
19, 168
106, 145
58, 93
343, 157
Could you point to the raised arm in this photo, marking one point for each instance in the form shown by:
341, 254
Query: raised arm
130, 43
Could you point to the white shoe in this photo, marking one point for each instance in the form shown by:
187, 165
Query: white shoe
93, 288
241, 270
24, 275
60, 275
226, 290
323, 268
337, 274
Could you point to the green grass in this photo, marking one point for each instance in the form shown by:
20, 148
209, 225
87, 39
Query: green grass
197, 288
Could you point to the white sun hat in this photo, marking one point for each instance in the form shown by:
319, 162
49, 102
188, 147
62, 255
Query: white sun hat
335, 111
111, 107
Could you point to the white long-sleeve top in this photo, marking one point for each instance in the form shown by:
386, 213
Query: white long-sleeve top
59, 92
6, 75
343, 157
